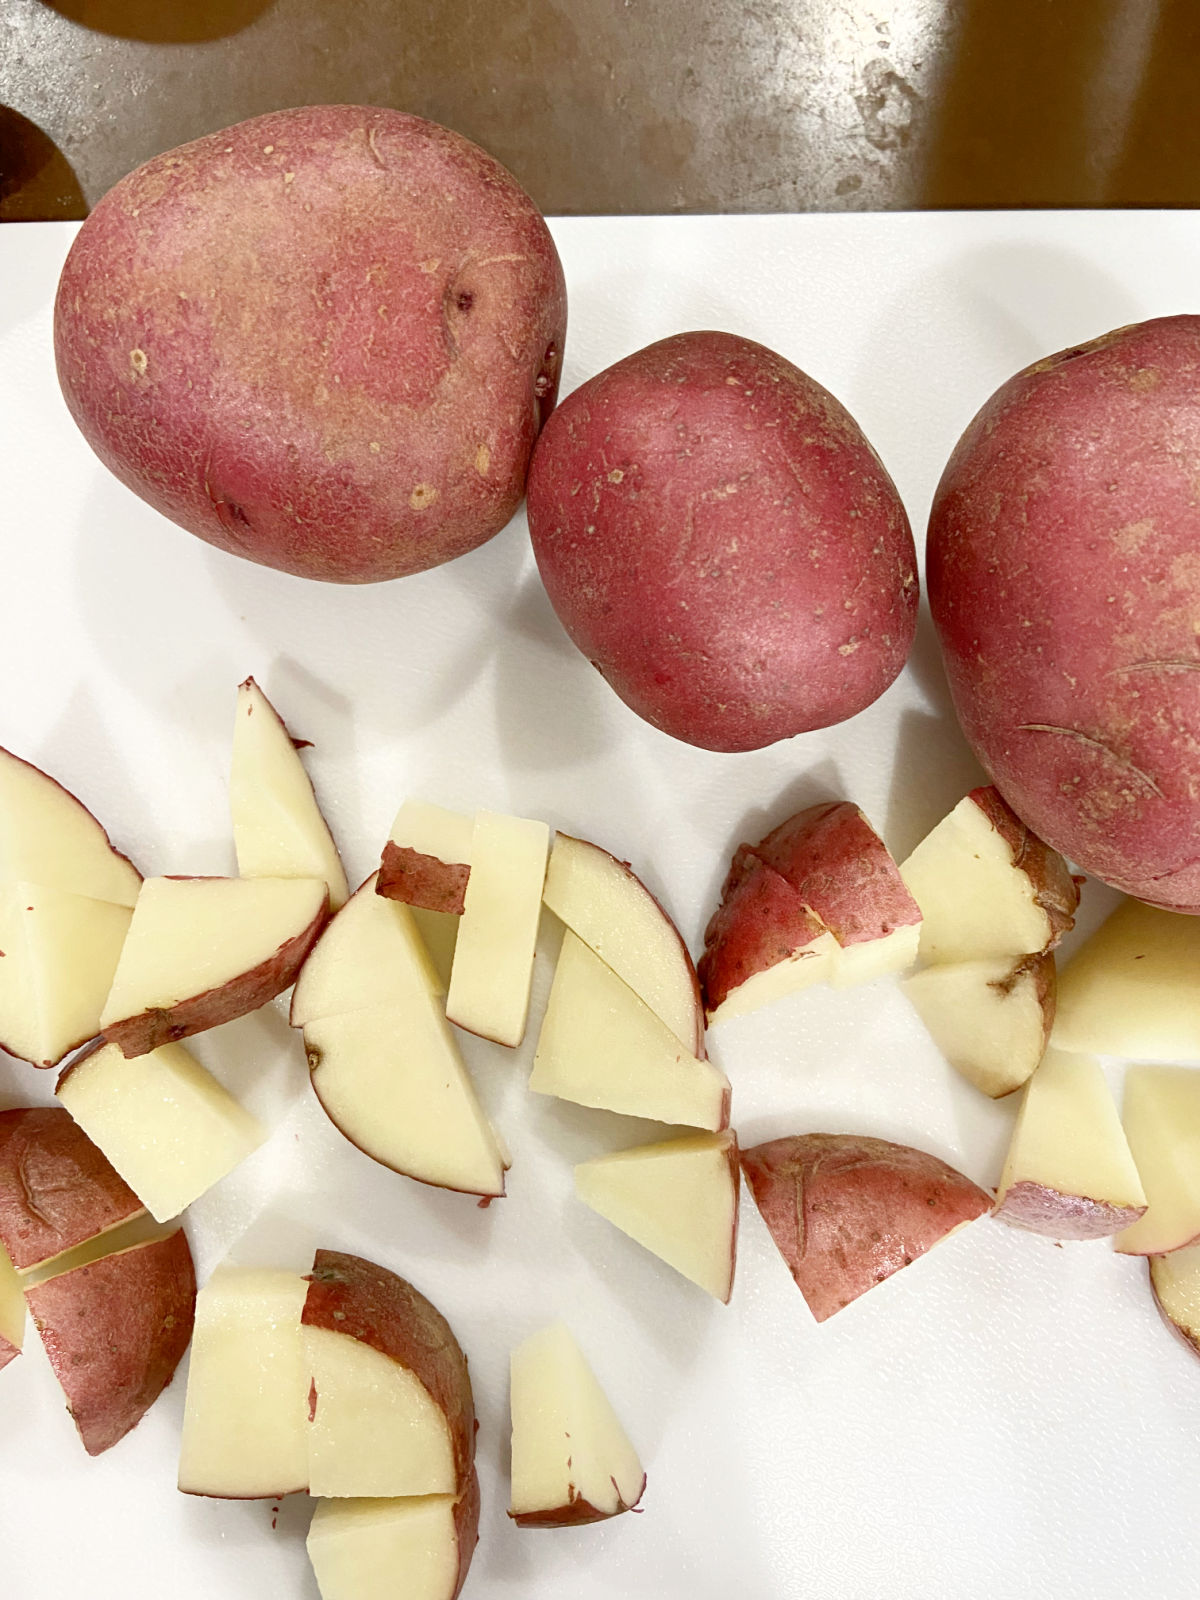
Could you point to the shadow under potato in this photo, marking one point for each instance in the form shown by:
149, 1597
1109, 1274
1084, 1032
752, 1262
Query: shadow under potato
37, 182
174, 22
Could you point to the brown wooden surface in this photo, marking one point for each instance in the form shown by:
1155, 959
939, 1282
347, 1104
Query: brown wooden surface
638, 105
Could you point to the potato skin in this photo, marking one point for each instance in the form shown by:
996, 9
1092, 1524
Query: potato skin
1064, 580
323, 339
720, 540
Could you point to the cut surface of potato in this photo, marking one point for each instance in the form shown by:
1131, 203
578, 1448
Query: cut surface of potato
278, 828
846, 1211
427, 860
245, 1423
438, 931
12, 1310
988, 887
572, 1461
1130, 990
59, 954
115, 1331
166, 1124
381, 1549
393, 1081
201, 951
1069, 1173
611, 910
601, 1045
391, 1400
1161, 1113
49, 838
493, 958
57, 1188
989, 1018
1175, 1281
678, 1198
369, 955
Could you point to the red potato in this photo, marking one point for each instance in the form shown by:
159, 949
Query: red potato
57, 1189
324, 339
1062, 576
720, 540
761, 930
847, 1211
115, 1330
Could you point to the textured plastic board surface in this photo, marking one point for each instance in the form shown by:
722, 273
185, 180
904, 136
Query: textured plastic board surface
1004, 1419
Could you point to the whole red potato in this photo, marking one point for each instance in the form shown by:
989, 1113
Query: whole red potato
324, 339
1064, 579
718, 537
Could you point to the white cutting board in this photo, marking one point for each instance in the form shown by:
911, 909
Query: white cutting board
1004, 1421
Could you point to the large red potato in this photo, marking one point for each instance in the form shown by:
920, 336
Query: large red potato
324, 339
1064, 579
720, 540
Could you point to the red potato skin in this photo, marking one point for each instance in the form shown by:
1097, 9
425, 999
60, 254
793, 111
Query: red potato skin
1062, 572
366, 1302
324, 339
422, 880
115, 1331
722, 543
834, 858
8, 1351
577, 1512
57, 1188
1054, 888
759, 922
1039, 1209
466, 1527
137, 1036
847, 1211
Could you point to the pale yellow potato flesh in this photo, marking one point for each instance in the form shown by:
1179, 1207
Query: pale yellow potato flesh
385, 1549
805, 968
433, 831
989, 1024
569, 1449
1131, 989
1175, 1279
245, 1423
60, 954
492, 973
370, 955
438, 932
393, 1081
869, 959
1069, 1158
974, 900
12, 1307
376, 1430
47, 837
190, 936
278, 828
166, 1124
600, 1045
1161, 1114
678, 1198
613, 912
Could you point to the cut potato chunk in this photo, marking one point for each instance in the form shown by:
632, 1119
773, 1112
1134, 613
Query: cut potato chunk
1161, 1114
278, 829
245, 1424
393, 1081
49, 838
58, 954
678, 1198
427, 860
990, 1018
1069, 1171
493, 959
201, 951
987, 887
370, 955
166, 1124
114, 1332
1130, 990
604, 904
600, 1045
762, 943
419, 1548
439, 934
12, 1310
1175, 1280
572, 1461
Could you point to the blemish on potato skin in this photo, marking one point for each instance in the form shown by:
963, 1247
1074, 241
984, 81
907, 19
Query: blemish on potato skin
138, 362
422, 496
483, 460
